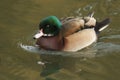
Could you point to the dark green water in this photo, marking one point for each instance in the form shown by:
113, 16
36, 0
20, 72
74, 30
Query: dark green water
19, 21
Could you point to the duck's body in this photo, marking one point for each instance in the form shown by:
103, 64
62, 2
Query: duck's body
70, 36
73, 42
80, 40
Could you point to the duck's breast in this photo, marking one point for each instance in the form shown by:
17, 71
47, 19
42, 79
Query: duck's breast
50, 43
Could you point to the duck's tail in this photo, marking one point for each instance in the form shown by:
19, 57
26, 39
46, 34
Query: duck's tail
102, 25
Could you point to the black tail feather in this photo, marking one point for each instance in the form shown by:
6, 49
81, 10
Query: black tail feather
102, 24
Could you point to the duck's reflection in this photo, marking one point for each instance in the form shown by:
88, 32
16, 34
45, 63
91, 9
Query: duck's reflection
53, 63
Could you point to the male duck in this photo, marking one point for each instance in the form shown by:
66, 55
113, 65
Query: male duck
71, 34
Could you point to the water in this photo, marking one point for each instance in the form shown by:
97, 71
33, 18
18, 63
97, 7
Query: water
20, 60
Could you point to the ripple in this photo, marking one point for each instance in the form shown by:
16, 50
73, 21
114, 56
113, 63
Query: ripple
88, 8
115, 12
101, 47
111, 37
108, 47
88, 52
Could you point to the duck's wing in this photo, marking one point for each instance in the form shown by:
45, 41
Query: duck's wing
71, 26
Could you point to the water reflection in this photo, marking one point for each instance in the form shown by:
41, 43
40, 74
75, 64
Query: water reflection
19, 19
68, 67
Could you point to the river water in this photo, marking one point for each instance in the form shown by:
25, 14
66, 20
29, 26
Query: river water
20, 60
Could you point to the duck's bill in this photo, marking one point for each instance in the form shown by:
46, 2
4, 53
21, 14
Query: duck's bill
38, 35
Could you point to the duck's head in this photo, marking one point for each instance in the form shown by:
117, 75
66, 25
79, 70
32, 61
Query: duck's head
49, 26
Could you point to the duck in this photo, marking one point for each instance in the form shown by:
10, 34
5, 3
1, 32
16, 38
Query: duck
69, 34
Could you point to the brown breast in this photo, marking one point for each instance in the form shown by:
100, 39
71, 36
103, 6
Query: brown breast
50, 43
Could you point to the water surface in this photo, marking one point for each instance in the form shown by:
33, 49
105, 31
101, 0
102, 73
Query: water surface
19, 21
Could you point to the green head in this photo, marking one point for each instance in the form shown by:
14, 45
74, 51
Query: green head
50, 25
